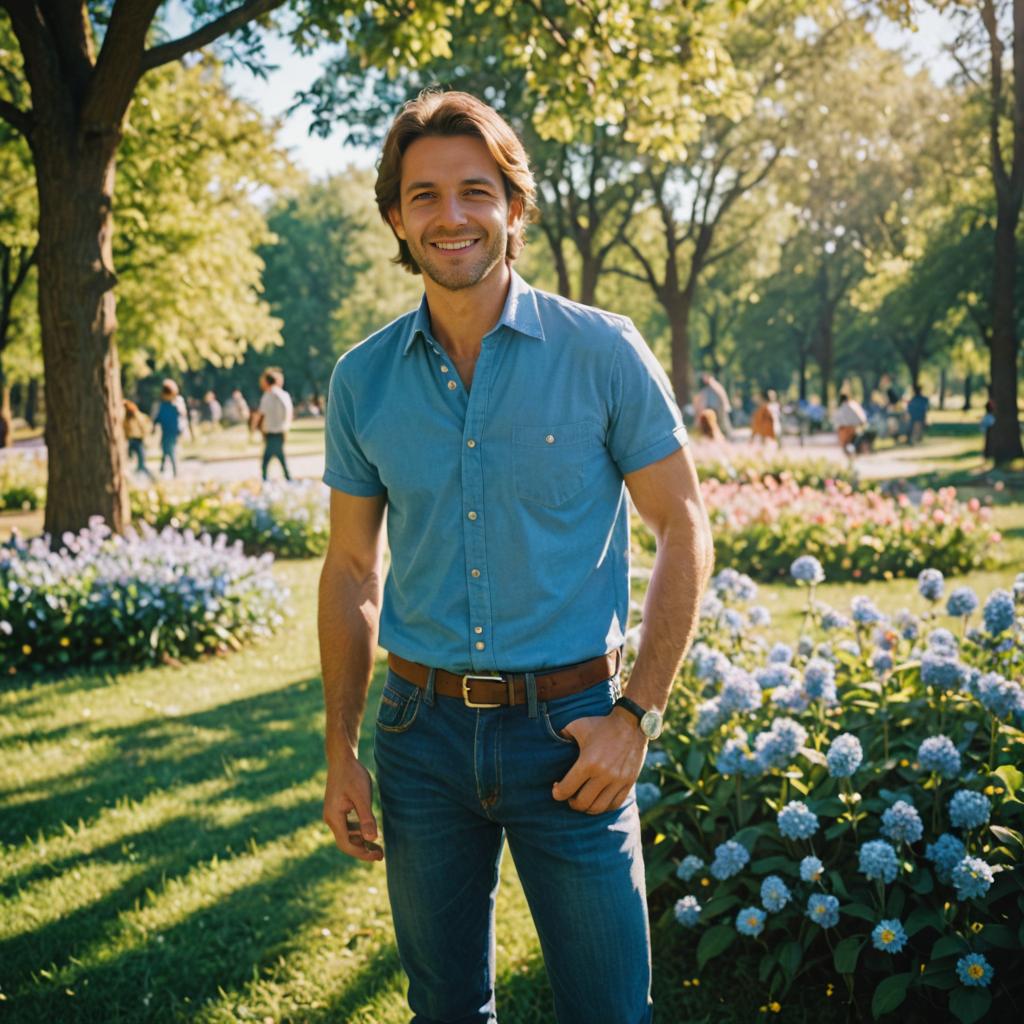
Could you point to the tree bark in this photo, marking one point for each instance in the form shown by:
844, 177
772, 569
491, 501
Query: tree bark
968, 384
1003, 354
678, 309
84, 428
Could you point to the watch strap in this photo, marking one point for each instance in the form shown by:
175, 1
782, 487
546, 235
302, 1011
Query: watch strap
632, 707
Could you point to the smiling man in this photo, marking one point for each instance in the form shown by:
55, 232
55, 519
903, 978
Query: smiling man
499, 430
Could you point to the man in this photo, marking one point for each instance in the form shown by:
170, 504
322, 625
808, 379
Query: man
917, 410
497, 425
273, 418
712, 396
849, 420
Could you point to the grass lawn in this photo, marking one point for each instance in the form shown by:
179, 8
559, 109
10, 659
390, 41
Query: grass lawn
162, 856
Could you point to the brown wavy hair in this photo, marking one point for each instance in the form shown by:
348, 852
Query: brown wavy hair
446, 114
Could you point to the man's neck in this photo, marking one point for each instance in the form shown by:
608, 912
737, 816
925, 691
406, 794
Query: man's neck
460, 319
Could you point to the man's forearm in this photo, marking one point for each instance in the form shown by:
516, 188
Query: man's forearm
348, 619
682, 566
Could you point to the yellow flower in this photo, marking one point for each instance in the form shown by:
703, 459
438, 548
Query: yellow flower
686, 984
695, 982
904, 762
705, 881
976, 927
26, 649
829, 989
65, 642
993, 790
775, 1007
976, 971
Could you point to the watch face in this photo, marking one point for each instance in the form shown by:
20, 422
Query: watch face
650, 725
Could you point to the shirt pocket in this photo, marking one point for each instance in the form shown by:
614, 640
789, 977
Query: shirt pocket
549, 460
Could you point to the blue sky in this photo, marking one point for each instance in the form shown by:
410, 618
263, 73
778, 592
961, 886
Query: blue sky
322, 157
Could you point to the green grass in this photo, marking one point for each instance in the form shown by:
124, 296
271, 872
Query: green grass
162, 856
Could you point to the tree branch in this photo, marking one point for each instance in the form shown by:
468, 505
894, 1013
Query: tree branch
206, 34
20, 120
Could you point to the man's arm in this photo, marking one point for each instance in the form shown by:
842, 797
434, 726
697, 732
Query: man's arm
348, 619
667, 496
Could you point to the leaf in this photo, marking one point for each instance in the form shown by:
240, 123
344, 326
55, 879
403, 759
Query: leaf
694, 762
748, 836
948, 945
1013, 777
814, 756
890, 993
1007, 835
923, 917
768, 864
790, 956
894, 904
969, 1004
1000, 936
713, 942
921, 881
861, 910
847, 953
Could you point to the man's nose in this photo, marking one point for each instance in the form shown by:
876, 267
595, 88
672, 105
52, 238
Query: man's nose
452, 212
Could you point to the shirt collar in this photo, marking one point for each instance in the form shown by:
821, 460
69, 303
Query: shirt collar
520, 314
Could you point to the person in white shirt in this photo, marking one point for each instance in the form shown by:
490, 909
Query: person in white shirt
849, 418
273, 419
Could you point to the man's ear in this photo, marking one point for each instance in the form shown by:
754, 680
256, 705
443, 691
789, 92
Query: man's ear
515, 212
395, 217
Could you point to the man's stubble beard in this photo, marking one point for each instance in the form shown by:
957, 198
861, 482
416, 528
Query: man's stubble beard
456, 279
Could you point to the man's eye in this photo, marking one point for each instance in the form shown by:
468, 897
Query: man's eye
421, 195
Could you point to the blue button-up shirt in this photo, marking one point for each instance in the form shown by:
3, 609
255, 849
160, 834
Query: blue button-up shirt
507, 516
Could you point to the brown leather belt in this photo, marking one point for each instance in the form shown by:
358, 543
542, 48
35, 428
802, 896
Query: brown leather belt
505, 688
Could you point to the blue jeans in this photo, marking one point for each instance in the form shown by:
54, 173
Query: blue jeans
273, 448
454, 783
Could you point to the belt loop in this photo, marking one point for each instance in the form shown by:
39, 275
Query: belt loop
428, 696
531, 694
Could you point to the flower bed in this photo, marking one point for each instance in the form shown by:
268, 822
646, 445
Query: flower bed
762, 527
755, 467
22, 482
144, 597
291, 520
850, 808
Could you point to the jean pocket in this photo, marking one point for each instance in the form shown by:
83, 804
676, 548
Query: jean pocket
595, 701
549, 460
399, 703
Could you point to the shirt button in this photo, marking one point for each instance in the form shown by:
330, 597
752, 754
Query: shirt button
471, 443
452, 385
478, 629
471, 516
444, 369
480, 645
550, 439
474, 573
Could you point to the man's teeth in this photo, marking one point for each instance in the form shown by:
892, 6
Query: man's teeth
455, 245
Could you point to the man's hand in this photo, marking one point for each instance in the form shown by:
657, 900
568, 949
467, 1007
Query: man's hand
349, 795
612, 752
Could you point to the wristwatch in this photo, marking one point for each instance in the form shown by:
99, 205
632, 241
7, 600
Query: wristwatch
651, 722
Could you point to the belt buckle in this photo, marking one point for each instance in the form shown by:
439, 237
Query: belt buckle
487, 679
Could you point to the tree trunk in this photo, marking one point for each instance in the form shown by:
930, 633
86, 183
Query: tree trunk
942, 388
32, 403
590, 271
6, 436
678, 310
75, 177
968, 384
1005, 437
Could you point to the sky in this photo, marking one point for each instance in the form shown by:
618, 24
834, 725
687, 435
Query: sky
322, 157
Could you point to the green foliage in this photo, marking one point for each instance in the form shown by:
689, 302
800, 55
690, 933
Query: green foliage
709, 793
22, 483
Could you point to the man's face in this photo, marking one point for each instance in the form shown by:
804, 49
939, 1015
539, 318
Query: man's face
453, 213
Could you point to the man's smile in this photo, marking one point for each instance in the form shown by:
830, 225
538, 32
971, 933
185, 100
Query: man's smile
455, 245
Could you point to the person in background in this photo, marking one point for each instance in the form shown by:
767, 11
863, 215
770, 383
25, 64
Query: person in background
707, 426
766, 423
173, 420
712, 396
236, 408
210, 411
917, 410
848, 420
273, 418
136, 427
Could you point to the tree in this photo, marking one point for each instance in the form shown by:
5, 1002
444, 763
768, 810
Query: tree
79, 70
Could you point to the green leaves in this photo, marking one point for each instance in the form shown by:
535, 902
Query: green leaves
889, 994
847, 953
715, 941
970, 1004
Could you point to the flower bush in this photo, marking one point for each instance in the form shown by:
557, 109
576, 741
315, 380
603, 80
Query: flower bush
22, 482
143, 597
756, 467
871, 827
762, 526
291, 520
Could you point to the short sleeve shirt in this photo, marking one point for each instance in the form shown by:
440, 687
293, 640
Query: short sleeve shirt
276, 406
507, 514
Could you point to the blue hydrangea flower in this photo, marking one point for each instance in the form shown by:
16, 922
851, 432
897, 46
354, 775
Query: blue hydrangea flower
901, 823
779, 744
775, 674
687, 911
1002, 697
811, 869
740, 692
962, 602
750, 921
734, 758
844, 756
711, 607
774, 893
999, 613
655, 758
938, 754
942, 669
820, 680
790, 698
797, 821
709, 717
945, 853
689, 866
850, 647
969, 809
878, 860
972, 878
881, 662
864, 611
709, 663
730, 859
823, 910
647, 795
737, 585
759, 616
807, 569
805, 646
889, 936
733, 621
832, 619
974, 970
781, 654
941, 639
930, 584
908, 624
